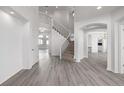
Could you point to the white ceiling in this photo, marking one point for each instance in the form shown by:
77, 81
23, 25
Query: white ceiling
8, 9
62, 15
94, 26
82, 13
52, 9
89, 12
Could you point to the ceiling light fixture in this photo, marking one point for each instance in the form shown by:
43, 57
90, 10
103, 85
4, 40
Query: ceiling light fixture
12, 12
56, 6
99, 7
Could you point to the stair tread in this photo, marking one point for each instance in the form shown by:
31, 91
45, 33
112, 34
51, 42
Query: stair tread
69, 52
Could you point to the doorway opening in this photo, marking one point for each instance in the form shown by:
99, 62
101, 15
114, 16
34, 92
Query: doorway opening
96, 43
43, 42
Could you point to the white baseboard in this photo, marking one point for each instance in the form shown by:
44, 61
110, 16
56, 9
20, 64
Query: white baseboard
12, 74
109, 69
78, 60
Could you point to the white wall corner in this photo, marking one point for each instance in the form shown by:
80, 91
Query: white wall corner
74, 57
109, 69
27, 67
112, 70
115, 71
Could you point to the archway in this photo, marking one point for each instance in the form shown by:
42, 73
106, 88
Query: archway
95, 42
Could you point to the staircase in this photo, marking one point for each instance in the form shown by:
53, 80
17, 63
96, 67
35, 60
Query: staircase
61, 29
67, 48
68, 54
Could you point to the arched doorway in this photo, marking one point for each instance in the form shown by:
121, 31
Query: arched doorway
95, 45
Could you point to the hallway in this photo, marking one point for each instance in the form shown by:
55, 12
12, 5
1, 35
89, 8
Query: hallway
52, 71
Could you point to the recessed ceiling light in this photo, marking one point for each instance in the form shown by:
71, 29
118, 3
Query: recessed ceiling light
99, 7
12, 12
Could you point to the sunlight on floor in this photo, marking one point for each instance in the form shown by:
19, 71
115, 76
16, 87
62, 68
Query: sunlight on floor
44, 57
43, 54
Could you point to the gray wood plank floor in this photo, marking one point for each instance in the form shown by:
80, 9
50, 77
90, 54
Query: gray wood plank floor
50, 71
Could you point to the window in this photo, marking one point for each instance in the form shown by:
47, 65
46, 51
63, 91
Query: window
47, 42
46, 36
40, 41
40, 36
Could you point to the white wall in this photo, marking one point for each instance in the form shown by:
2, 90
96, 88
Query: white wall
27, 47
31, 13
105, 45
116, 18
89, 40
11, 49
56, 42
94, 43
18, 38
79, 42
121, 48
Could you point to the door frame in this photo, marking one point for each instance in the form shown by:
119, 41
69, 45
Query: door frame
121, 48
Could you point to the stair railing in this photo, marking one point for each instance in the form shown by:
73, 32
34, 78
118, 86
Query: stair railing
64, 31
64, 46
